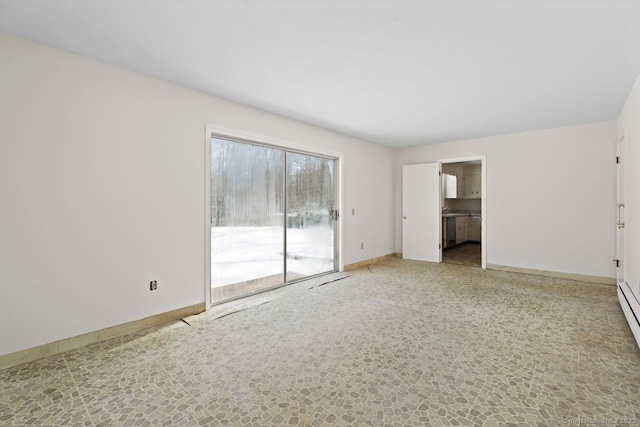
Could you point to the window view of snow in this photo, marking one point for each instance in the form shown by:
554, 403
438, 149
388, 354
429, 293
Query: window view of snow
252, 187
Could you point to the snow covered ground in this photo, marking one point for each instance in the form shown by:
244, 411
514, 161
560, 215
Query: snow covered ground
240, 254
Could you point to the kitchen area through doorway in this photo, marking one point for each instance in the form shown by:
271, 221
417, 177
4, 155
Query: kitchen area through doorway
462, 213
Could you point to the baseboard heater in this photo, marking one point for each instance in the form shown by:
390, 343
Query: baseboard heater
629, 312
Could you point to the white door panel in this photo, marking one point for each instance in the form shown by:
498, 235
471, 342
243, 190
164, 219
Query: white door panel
620, 213
421, 224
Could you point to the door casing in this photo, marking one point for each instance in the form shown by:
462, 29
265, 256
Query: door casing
620, 267
483, 200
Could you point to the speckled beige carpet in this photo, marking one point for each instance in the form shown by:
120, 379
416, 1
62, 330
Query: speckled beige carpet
398, 343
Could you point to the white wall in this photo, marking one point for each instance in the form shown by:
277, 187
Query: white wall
550, 196
629, 126
102, 186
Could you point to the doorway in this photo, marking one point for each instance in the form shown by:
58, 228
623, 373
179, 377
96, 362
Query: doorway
272, 215
430, 222
461, 201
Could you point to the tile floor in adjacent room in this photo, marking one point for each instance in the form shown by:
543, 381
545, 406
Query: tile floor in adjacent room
469, 253
396, 343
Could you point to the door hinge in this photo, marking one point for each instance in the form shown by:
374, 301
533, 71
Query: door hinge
439, 245
617, 261
617, 159
439, 173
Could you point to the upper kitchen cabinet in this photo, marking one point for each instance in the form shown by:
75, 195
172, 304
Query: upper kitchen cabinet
449, 186
462, 189
473, 186
462, 181
472, 182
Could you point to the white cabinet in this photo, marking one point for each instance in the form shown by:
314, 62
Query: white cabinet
468, 177
474, 183
475, 228
467, 228
462, 229
450, 186
470, 186
461, 187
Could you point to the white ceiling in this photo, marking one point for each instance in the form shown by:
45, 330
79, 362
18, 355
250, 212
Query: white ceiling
396, 72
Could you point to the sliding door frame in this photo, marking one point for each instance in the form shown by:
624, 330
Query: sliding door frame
287, 146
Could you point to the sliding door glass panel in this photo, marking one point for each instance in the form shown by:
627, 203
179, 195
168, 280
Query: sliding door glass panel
247, 220
310, 203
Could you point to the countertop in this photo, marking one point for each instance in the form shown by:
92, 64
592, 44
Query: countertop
455, 214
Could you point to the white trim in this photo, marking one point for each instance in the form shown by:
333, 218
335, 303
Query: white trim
628, 310
207, 218
483, 204
483, 200
234, 133
620, 213
557, 274
339, 187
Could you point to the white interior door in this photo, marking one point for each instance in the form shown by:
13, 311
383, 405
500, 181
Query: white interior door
421, 223
620, 213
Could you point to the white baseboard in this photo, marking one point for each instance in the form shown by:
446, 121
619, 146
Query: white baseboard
631, 309
370, 261
556, 274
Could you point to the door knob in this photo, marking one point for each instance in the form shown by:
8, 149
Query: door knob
404, 217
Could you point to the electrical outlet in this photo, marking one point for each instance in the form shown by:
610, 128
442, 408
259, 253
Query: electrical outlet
153, 285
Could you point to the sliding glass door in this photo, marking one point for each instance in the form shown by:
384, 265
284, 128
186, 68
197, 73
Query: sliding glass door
272, 217
310, 215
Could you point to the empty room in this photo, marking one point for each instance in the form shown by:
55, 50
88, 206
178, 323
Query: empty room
318, 213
